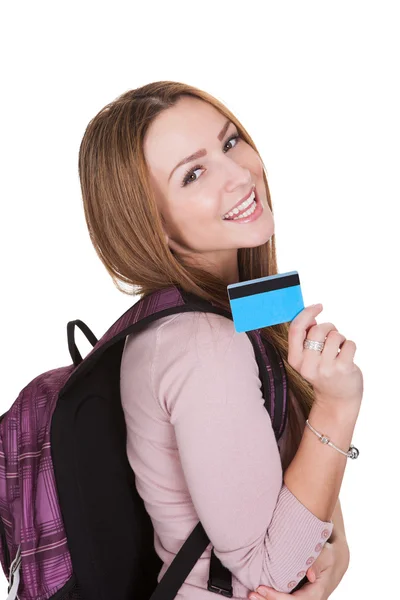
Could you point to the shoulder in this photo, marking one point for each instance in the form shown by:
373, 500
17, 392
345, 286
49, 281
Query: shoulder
204, 333
182, 328
202, 346
200, 359
184, 343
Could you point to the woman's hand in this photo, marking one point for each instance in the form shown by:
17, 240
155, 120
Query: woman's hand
323, 577
337, 381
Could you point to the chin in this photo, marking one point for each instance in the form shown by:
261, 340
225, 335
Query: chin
258, 236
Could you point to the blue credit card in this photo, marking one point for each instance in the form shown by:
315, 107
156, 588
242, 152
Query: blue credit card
266, 301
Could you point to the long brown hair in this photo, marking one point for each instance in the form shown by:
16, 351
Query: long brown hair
126, 230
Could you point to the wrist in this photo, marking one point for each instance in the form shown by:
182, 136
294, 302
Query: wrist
340, 412
334, 417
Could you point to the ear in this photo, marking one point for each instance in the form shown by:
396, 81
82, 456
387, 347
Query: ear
175, 247
167, 238
165, 229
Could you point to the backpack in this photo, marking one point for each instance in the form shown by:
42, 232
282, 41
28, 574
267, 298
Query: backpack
72, 524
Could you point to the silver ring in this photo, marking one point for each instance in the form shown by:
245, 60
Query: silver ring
312, 345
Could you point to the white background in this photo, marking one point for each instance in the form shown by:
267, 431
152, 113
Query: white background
317, 86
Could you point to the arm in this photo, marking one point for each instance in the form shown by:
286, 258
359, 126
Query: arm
338, 537
205, 379
328, 569
338, 532
338, 549
316, 472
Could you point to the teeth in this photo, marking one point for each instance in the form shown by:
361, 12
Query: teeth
242, 206
247, 213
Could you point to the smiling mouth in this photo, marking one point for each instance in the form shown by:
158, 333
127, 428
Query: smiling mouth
241, 209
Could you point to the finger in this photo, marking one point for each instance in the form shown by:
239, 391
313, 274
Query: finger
311, 575
322, 333
315, 572
271, 594
314, 322
303, 592
334, 341
305, 316
265, 592
298, 331
307, 593
347, 351
323, 562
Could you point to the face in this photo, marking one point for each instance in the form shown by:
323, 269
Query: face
193, 197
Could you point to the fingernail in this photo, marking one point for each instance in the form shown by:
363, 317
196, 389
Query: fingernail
253, 597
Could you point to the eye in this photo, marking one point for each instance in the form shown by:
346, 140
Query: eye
187, 178
235, 137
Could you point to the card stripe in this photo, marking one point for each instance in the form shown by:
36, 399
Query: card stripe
268, 285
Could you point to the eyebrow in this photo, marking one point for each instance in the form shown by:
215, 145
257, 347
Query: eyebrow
201, 152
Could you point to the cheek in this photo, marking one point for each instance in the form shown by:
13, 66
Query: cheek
248, 158
196, 209
200, 202
255, 164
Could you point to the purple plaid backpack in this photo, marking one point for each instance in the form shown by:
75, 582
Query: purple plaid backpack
72, 525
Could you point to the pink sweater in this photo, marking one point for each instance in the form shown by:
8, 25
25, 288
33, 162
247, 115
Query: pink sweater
202, 447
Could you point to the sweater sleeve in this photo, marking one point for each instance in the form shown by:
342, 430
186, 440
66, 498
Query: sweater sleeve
205, 378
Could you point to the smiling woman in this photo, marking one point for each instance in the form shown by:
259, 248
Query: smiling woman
168, 174
193, 202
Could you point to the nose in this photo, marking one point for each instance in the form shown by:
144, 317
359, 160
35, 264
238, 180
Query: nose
236, 177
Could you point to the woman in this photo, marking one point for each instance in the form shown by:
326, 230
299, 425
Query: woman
161, 169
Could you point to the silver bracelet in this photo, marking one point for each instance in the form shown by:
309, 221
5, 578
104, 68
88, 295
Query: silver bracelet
353, 452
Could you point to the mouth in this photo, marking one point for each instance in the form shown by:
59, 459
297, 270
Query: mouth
243, 205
